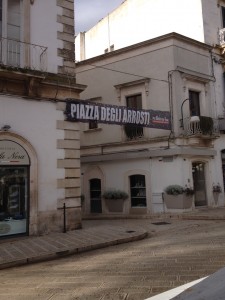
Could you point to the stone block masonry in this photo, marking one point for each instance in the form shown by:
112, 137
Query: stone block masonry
67, 37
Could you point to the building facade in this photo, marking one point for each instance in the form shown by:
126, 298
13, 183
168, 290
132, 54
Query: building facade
154, 68
144, 161
135, 21
39, 150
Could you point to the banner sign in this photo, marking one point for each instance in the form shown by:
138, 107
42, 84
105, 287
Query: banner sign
85, 111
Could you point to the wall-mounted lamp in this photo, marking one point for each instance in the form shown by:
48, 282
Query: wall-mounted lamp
182, 117
5, 128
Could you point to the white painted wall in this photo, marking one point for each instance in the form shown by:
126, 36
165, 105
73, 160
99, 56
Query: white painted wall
147, 61
43, 30
139, 20
36, 122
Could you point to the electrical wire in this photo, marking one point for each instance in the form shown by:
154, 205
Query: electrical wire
122, 72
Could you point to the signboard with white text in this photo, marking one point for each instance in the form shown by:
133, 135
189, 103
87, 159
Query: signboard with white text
85, 111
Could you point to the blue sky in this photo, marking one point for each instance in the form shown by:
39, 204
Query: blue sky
89, 12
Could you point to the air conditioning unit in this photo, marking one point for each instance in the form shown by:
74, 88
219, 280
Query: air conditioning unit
222, 37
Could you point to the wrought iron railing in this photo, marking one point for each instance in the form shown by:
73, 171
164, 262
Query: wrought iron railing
201, 125
23, 55
133, 131
222, 37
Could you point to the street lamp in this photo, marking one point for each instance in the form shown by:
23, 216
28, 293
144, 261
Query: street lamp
182, 117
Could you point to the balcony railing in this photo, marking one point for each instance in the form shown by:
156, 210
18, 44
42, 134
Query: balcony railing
222, 37
23, 55
201, 125
133, 131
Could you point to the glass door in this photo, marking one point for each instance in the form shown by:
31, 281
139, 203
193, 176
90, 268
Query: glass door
198, 171
13, 200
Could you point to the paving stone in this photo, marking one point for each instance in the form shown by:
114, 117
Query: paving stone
183, 251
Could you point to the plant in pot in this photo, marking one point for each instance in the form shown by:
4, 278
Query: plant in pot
217, 188
115, 199
178, 197
216, 191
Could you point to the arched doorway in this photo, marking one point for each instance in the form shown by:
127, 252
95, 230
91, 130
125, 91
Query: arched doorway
14, 188
198, 173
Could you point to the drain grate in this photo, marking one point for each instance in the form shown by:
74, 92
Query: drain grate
161, 223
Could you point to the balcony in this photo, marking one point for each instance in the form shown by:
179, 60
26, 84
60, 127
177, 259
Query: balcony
201, 126
23, 55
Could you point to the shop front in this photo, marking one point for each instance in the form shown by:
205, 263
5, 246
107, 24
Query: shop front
14, 189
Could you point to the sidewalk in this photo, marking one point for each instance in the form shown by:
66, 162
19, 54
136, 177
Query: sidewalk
179, 251
25, 250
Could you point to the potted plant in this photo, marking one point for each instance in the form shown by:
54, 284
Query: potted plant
178, 197
114, 199
217, 188
216, 191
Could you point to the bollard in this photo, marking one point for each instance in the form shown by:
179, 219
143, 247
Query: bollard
64, 218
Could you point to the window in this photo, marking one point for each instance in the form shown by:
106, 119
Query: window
10, 31
134, 131
13, 199
194, 103
95, 195
223, 16
138, 191
93, 124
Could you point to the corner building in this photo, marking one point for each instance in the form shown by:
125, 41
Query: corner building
173, 61
39, 150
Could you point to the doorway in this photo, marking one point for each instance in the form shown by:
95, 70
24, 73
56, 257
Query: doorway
14, 191
95, 195
198, 172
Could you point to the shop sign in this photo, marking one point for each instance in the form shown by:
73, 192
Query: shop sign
85, 111
12, 153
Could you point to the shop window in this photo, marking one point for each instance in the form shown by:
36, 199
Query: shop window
13, 200
95, 195
194, 100
134, 131
138, 191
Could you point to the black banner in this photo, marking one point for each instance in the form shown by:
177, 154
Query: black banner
85, 111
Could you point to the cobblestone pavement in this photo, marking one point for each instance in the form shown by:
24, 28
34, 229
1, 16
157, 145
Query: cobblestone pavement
172, 255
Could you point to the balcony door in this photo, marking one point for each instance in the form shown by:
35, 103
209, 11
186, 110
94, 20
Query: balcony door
10, 32
194, 103
134, 131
